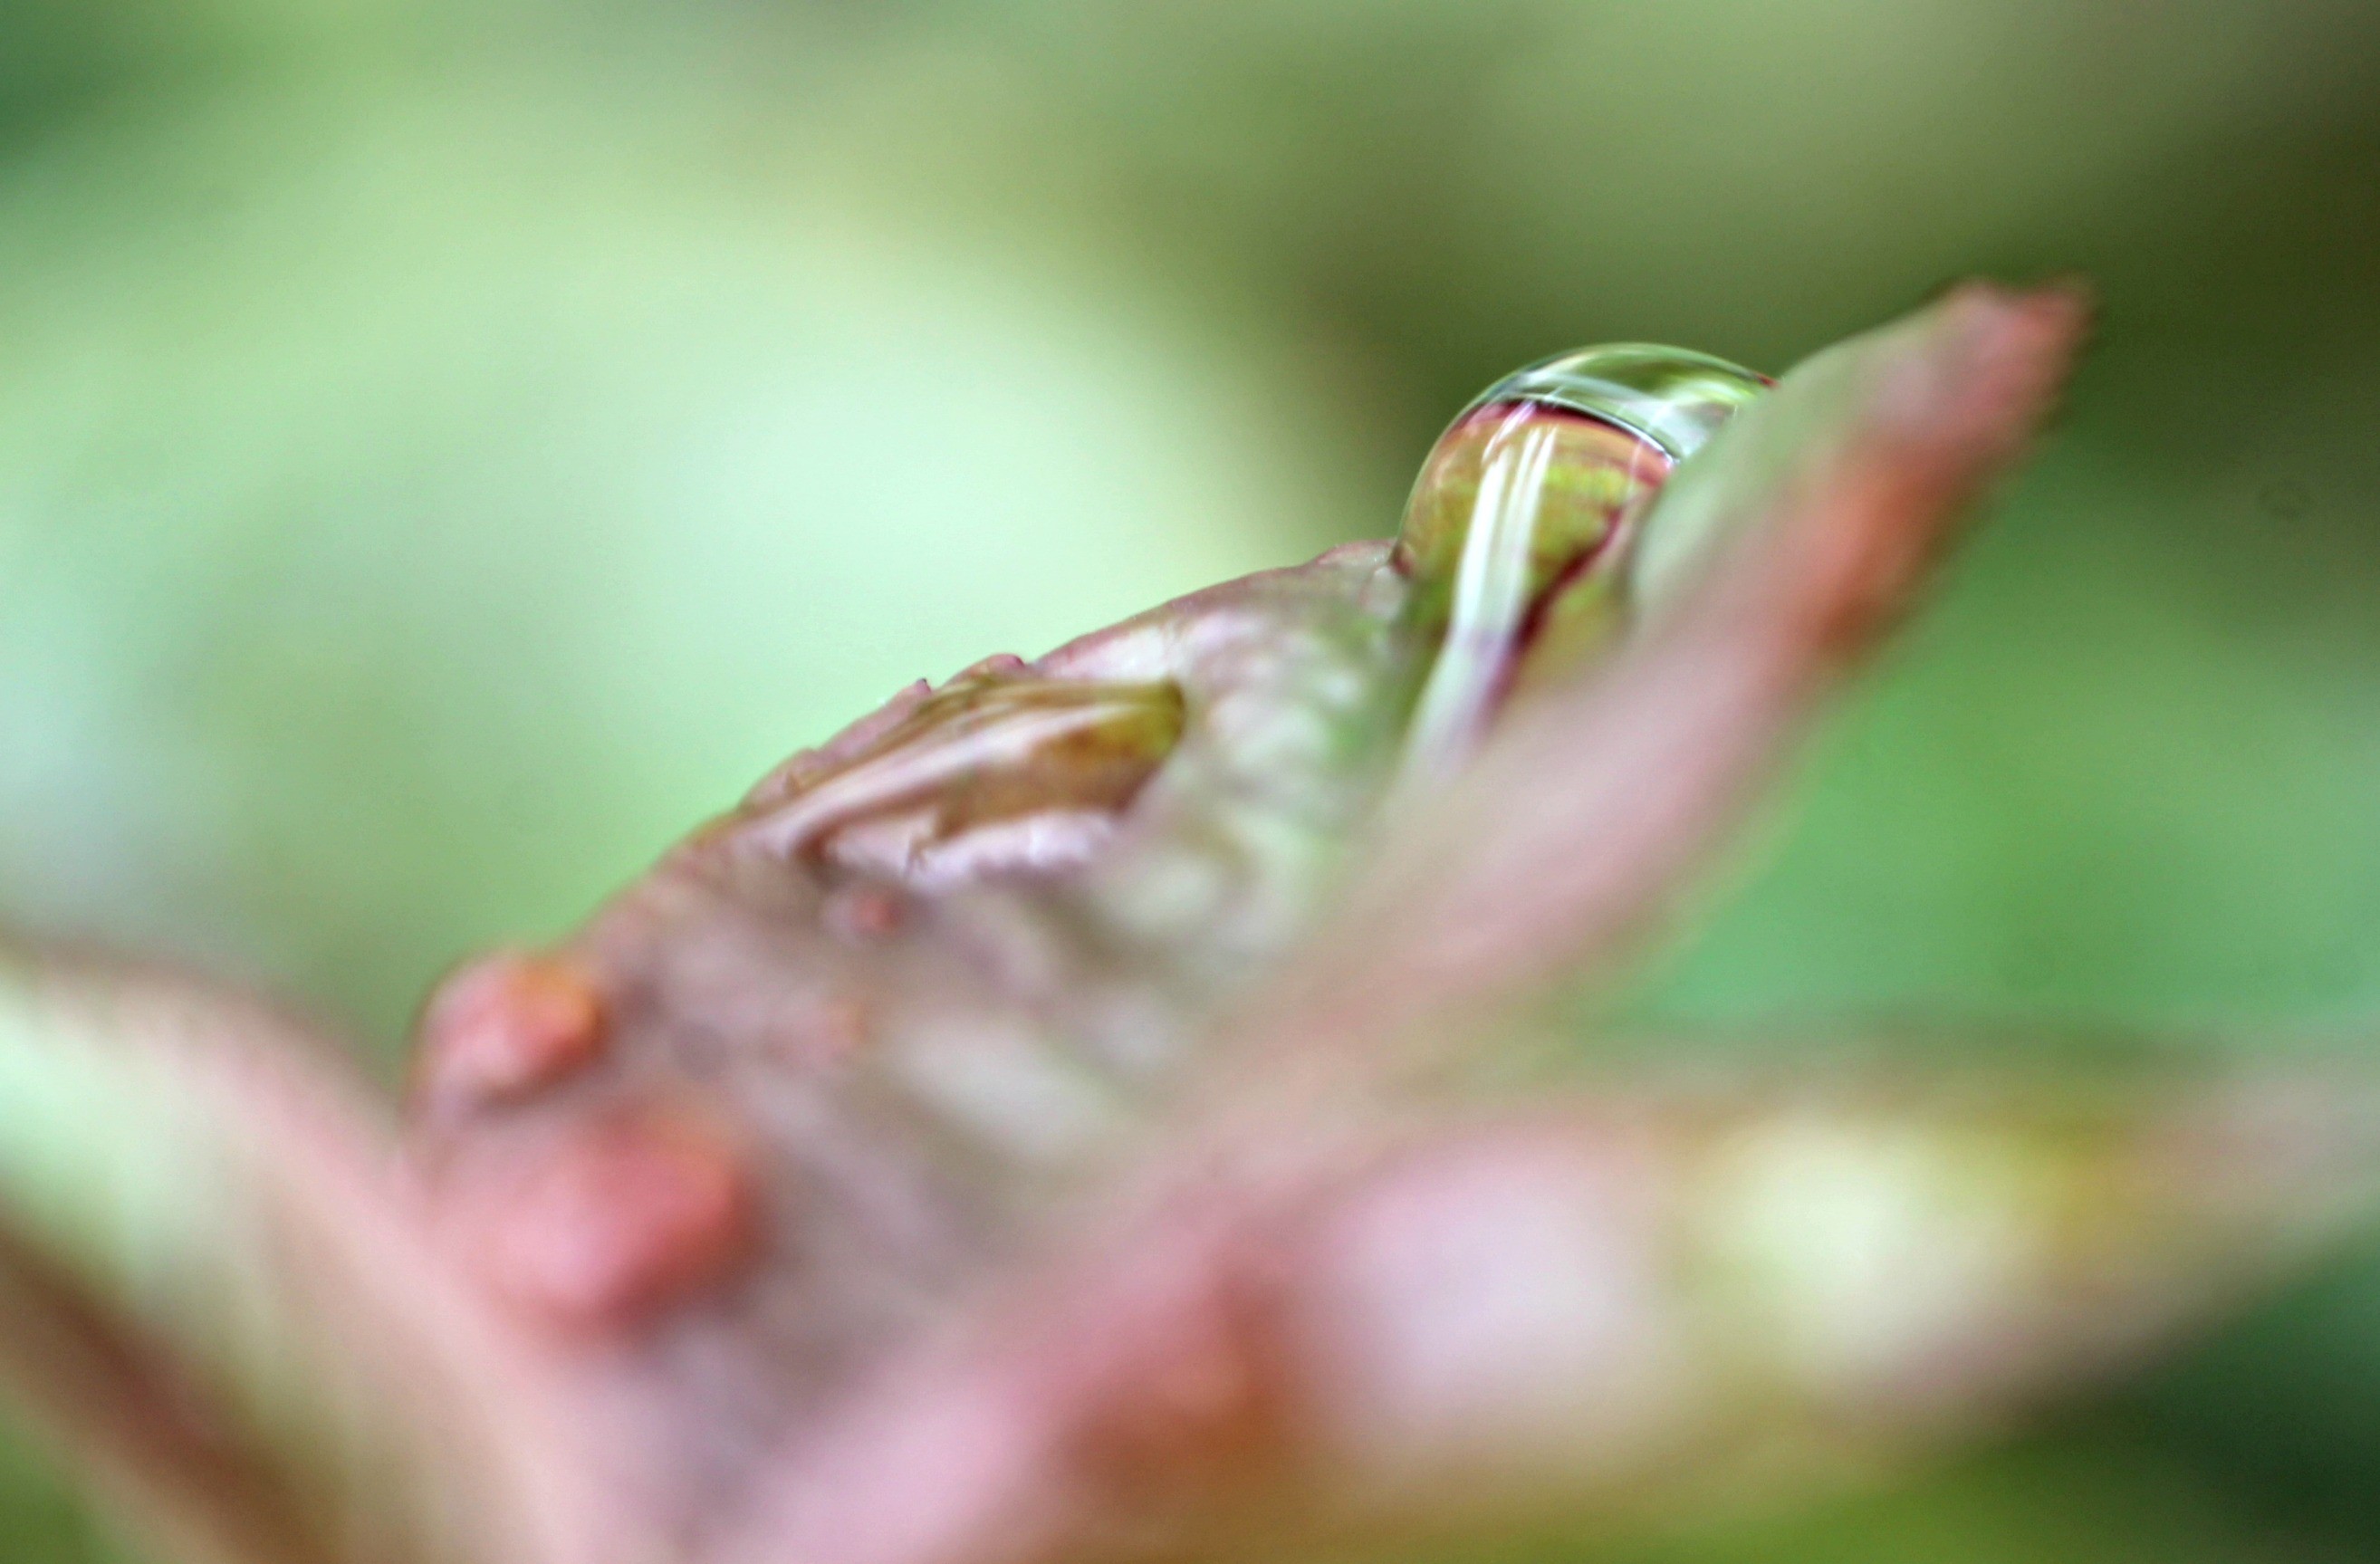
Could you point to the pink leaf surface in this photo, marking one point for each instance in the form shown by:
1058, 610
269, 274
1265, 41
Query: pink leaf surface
1031, 1125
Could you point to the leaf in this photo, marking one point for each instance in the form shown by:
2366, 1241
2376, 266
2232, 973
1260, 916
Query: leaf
1786, 549
215, 1283
1006, 1137
1610, 1309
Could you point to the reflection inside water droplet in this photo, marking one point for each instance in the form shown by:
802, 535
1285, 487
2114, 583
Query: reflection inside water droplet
1525, 512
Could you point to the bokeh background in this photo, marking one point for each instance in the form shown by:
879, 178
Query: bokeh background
448, 448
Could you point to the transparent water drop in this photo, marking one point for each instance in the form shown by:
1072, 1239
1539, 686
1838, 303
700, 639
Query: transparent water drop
1524, 516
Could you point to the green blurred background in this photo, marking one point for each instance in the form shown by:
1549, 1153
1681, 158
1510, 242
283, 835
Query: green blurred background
446, 449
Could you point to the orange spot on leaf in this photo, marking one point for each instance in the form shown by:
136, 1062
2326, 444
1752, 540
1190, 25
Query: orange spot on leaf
505, 1026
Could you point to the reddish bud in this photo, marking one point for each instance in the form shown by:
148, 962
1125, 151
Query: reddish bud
617, 1221
506, 1025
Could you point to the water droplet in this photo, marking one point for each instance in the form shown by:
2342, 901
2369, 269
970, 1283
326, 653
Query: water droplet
1001, 770
1525, 509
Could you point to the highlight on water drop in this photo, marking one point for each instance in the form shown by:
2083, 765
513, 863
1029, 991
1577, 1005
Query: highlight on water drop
1526, 509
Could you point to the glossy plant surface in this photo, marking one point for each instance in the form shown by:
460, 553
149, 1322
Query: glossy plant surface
1086, 1109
